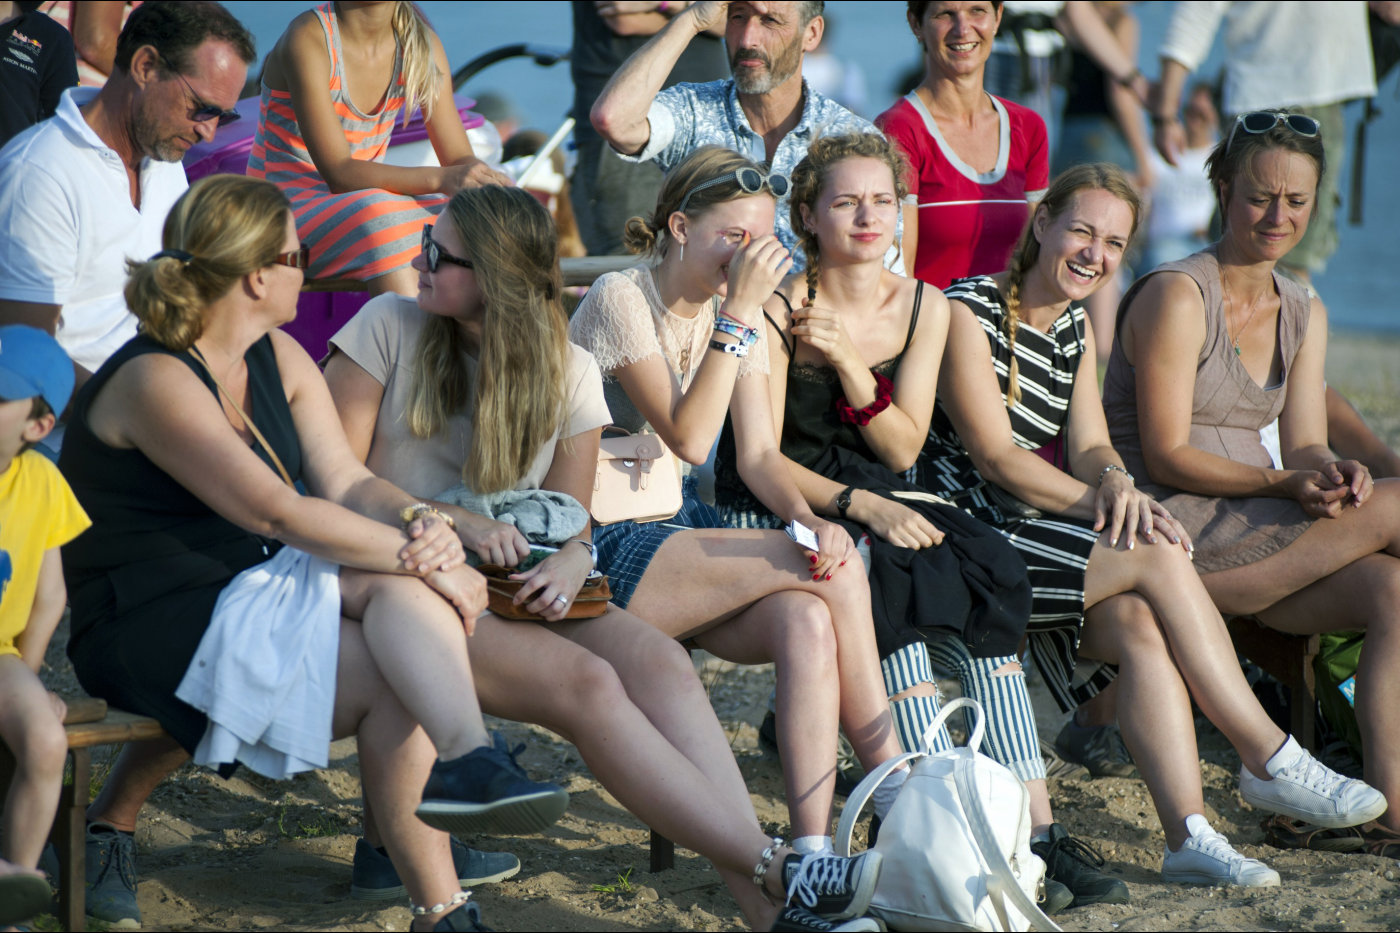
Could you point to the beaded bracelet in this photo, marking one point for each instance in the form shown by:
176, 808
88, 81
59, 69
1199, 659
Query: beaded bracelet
740, 350
744, 334
765, 861
860, 417
419, 509
1110, 468
459, 898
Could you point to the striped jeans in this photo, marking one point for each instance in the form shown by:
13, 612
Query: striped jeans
1011, 738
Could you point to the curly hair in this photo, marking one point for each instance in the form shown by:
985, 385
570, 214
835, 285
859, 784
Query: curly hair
811, 173
1094, 176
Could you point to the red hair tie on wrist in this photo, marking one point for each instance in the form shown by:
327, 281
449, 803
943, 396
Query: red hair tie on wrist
860, 417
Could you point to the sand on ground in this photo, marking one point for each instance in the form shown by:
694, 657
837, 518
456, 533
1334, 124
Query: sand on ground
254, 854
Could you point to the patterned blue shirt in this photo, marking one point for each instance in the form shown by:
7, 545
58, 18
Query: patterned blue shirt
687, 116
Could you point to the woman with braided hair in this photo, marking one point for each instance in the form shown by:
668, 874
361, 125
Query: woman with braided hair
1018, 374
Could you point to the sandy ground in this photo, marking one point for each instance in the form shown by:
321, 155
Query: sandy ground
251, 854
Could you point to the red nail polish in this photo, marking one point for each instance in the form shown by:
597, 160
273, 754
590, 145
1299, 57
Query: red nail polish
828, 576
816, 577
812, 558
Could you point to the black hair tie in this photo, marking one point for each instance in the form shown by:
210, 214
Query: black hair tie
184, 257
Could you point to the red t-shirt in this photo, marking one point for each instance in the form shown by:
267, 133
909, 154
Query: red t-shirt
968, 223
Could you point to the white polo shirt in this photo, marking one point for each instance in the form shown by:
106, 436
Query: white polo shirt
67, 226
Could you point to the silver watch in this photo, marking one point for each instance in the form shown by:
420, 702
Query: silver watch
592, 549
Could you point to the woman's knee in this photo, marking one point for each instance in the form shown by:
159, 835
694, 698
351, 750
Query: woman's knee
805, 628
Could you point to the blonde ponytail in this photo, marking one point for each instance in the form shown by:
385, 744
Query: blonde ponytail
420, 76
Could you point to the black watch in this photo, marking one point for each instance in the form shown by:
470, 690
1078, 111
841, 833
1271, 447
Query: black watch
843, 500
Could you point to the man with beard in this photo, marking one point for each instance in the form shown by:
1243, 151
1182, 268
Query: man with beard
88, 189
765, 111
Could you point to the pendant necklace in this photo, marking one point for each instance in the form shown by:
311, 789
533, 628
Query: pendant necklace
1230, 306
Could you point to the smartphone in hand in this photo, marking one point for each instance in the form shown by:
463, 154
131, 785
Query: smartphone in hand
803, 536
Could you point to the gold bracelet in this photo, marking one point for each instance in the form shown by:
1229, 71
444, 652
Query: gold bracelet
418, 509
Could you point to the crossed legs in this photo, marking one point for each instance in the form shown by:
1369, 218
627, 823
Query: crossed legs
748, 597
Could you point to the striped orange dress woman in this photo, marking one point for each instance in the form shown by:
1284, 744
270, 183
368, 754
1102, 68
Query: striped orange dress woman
359, 234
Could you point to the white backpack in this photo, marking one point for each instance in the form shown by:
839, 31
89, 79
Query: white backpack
956, 842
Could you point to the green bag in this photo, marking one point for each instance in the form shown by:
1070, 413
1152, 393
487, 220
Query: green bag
1335, 668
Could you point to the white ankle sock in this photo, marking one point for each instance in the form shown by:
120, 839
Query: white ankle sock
883, 796
813, 845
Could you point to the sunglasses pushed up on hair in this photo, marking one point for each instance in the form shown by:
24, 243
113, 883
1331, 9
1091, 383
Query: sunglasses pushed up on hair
1258, 122
749, 180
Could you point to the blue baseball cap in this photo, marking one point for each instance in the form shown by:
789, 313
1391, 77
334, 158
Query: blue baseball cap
32, 363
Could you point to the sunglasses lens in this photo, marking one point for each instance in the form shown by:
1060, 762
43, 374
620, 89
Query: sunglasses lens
1260, 121
1302, 125
749, 180
778, 184
228, 116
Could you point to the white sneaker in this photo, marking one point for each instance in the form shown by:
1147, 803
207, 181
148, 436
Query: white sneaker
1208, 858
1301, 787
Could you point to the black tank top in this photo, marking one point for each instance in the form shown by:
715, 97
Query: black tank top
810, 423
150, 536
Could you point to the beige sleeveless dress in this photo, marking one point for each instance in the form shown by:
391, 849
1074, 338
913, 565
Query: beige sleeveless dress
1228, 409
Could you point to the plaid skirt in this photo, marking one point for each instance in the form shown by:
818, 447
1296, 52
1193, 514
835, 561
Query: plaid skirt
625, 549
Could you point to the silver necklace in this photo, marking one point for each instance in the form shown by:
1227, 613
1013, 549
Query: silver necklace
1230, 306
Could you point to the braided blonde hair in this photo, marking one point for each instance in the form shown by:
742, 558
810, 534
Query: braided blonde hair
1094, 176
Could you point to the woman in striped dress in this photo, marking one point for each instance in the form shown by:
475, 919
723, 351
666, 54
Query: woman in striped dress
1019, 374
332, 88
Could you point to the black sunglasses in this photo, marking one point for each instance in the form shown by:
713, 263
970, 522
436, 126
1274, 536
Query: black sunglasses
202, 112
749, 180
1261, 121
298, 258
434, 254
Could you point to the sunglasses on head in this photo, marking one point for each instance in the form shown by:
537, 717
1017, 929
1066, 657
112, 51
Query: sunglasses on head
749, 180
434, 254
297, 258
1261, 121
202, 112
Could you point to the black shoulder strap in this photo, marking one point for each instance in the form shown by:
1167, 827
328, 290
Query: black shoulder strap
790, 348
914, 317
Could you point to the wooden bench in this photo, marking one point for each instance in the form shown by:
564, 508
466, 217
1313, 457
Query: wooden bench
1289, 660
89, 724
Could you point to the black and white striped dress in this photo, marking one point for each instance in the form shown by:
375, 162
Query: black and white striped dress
1056, 550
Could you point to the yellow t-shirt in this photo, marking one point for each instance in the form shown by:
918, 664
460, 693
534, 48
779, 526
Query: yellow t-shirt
37, 512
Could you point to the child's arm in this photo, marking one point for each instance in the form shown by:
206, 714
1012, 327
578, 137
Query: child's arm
50, 596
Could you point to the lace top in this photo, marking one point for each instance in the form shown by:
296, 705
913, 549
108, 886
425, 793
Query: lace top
622, 320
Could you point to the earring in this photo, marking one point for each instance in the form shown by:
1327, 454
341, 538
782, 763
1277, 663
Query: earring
682, 256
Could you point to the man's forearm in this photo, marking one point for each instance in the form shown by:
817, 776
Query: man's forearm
620, 112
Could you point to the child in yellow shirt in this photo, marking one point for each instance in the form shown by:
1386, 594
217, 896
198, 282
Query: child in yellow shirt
38, 513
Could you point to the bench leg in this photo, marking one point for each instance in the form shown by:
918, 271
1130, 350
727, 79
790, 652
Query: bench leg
663, 852
70, 838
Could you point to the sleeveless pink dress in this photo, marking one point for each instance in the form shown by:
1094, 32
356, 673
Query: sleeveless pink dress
1228, 409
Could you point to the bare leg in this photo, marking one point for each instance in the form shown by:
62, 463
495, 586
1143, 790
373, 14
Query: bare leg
1195, 638
1155, 710
701, 578
1101, 709
628, 698
418, 644
30, 726
1364, 596
138, 771
793, 630
395, 757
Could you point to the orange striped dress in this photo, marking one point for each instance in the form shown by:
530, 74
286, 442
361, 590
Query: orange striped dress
356, 234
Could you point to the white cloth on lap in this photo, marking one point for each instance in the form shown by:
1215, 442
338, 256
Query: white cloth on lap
264, 673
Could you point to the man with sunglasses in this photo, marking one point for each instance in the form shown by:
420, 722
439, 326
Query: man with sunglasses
765, 110
83, 192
